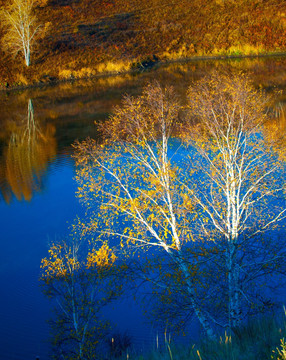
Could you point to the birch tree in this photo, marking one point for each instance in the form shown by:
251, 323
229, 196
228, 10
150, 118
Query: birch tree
208, 199
21, 27
134, 185
239, 184
80, 286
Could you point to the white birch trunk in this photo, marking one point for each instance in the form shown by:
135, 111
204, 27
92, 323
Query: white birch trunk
202, 318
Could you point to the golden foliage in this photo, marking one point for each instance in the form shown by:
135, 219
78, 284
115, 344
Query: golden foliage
113, 67
152, 190
135, 183
101, 258
81, 282
113, 36
60, 263
21, 27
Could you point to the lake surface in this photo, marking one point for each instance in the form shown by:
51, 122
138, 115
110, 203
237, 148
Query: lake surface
37, 188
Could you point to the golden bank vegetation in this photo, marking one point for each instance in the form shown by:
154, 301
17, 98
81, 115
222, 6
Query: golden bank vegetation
83, 38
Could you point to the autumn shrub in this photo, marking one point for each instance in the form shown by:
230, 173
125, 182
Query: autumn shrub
65, 74
184, 51
21, 79
113, 67
87, 72
240, 50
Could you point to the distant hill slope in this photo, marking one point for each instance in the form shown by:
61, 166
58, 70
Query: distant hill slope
86, 37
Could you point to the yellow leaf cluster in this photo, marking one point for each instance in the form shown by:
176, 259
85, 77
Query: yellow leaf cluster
104, 257
60, 263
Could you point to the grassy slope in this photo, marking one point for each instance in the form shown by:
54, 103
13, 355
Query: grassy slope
87, 37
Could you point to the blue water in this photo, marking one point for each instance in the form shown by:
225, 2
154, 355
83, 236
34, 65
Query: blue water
26, 229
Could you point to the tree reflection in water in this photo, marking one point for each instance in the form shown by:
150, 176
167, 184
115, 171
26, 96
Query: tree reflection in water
275, 129
30, 148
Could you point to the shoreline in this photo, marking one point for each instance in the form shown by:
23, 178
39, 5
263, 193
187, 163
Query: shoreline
159, 63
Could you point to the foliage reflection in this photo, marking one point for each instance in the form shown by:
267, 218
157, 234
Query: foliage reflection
30, 148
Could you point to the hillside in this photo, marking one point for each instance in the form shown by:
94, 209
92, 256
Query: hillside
82, 38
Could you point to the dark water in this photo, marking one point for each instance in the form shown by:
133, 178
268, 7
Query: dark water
37, 201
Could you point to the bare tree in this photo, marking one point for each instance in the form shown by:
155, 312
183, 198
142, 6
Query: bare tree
21, 27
